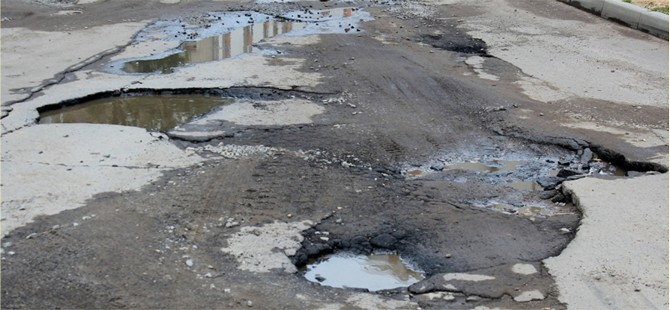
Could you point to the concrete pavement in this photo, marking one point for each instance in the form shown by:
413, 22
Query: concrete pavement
619, 258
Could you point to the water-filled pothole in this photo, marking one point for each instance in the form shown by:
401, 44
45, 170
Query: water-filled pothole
231, 44
373, 272
221, 35
159, 112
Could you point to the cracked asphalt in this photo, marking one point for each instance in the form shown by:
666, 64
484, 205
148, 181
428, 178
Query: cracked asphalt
476, 140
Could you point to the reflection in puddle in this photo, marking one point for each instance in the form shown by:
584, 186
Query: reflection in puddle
150, 112
227, 45
221, 35
373, 272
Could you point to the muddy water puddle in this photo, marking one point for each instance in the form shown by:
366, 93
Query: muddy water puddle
222, 35
151, 112
373, 272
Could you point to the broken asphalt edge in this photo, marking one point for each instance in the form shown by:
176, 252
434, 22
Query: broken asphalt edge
645, 20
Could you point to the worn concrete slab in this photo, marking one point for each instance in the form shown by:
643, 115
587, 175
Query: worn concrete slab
564, 59
619, 258
41, 165
25, 67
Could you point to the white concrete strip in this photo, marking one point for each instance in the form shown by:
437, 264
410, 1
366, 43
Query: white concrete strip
265, 113
524, 269
619, 258
529, 296
636, 17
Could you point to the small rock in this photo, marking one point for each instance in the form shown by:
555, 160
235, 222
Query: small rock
448, 255
22, 207
383, 241
563, 162
250, 303
11, 252
549, 182
31, 236
587, 155
319, 278
564, 230
548, 194
541, 114
473, 298
189, 262
227, 290
559, 198
575, 177
437, 167
564, 173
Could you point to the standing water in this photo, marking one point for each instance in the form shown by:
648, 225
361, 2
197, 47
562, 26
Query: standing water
150, 112
372, 272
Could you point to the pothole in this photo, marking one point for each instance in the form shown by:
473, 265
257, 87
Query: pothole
221, 35
188, 112
373, 272
157, 112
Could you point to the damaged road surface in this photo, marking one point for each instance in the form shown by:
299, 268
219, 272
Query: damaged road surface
222, 154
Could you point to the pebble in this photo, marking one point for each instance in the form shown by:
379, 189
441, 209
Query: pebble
31, 236
473, 298
250, 303
564, 230
189, 262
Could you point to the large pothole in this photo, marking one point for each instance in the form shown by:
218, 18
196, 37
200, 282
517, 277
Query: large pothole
185, 113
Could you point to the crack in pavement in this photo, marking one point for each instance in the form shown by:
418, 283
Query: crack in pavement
59, 77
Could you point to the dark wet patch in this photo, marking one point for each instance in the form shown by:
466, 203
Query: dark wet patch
460, 43
373, 272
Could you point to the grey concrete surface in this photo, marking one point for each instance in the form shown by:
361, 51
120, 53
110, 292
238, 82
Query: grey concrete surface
619, 258
634, 16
